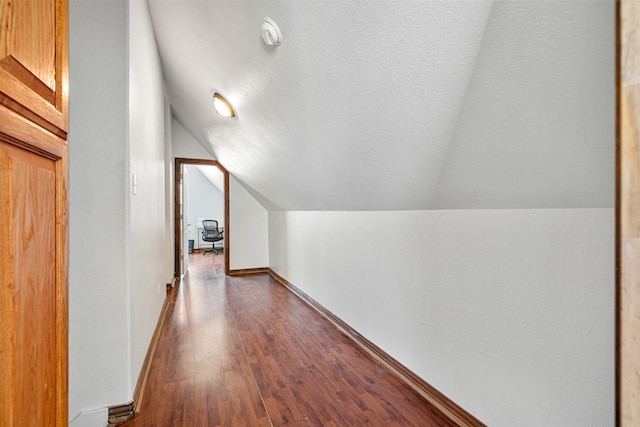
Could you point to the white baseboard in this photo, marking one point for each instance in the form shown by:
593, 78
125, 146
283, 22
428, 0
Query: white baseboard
94, 418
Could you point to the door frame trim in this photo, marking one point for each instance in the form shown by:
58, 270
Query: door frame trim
179, 162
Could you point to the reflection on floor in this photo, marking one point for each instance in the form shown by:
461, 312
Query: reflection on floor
207, 264
244, 351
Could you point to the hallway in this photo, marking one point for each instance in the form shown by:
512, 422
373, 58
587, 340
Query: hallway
244, 351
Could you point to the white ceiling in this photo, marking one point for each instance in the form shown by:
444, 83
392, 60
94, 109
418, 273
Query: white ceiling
393, 105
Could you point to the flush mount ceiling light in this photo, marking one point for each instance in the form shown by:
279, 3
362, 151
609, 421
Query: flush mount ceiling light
271, 33
222, 106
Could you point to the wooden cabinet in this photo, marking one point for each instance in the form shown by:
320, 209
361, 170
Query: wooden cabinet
33, 212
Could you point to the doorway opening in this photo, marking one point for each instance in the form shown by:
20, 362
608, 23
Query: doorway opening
188, 222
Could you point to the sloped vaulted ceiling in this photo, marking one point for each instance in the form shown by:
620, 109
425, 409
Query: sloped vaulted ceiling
395, 105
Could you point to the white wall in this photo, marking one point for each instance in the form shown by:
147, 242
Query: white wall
510, 313
147, 222
185, 146
206, 201
249, 234
117, 121
169, 177
98, 184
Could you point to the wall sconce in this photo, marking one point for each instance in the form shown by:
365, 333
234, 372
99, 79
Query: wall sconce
222, 106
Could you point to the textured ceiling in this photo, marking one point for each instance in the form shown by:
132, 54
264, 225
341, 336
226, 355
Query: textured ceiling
393, 105
537, 127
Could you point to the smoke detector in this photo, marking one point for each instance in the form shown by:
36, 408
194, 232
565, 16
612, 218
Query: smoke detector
271, 33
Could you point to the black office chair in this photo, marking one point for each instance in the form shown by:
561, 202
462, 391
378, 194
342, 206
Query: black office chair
211, 233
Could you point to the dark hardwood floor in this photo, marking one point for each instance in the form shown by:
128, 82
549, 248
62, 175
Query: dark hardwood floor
245, 351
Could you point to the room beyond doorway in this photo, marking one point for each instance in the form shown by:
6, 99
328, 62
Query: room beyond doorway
186, 227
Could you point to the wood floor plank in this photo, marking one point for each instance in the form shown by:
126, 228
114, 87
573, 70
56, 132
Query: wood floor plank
245, 351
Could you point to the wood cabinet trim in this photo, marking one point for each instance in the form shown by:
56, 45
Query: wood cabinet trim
62, 63
62, 297
15, 96
18, 71
6, 289
24, 133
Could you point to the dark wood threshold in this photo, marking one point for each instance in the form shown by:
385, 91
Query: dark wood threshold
248, 271
448, 408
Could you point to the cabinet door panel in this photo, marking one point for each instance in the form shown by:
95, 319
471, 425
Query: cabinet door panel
33, 58
35, 54
28, 188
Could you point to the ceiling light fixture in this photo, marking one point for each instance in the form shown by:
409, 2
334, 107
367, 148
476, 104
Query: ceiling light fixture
222, 106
